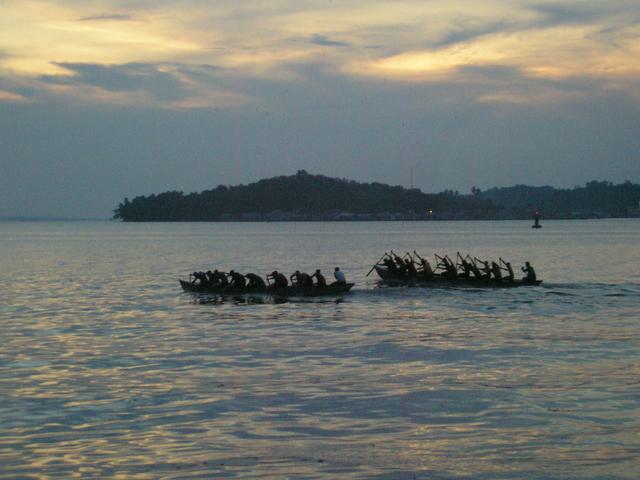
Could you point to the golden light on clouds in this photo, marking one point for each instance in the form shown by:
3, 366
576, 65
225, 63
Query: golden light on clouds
405, 41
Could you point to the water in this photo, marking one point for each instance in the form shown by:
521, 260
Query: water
108, 370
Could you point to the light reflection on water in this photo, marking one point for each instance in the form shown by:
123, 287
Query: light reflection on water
107, 369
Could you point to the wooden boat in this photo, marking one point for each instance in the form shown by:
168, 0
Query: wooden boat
290, 291
442, 281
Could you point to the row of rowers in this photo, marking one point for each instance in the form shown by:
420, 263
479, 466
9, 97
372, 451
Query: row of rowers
464, 266
233, 279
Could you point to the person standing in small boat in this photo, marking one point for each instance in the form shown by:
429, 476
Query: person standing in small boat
321, 282
279, 280
255, 282
237, 280
530, 273
339, 275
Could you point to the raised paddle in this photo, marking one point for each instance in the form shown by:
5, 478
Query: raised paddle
374, 266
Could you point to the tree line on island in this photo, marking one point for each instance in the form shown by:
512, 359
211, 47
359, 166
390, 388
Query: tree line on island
316, 197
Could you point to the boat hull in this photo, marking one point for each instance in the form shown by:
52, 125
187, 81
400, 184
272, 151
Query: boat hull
290, 291
440, 281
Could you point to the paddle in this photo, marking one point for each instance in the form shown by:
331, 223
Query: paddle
374, 266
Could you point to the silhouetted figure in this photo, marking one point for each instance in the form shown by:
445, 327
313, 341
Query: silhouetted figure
279, 280
410, 267
320, 280
301, 279
237, 280
486, 270
425, 267
219, 279
530, 273
339, 275
255, 282
496, 271
390, 264
509, 277
199, 278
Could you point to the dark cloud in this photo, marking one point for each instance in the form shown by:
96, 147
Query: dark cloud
465, 33
583, 13
323, 40
163, 85
106, 18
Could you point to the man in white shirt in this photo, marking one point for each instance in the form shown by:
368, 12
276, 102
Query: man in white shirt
340, 278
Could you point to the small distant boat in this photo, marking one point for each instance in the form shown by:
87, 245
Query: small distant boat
443, 281
290, 291
536, 221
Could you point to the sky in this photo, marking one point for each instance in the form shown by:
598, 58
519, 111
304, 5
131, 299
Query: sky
102, 100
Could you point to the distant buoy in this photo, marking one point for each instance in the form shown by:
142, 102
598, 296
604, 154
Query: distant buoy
536, 221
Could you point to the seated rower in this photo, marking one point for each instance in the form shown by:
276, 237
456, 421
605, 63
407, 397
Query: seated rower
486, 270
219, 279
209, 277
237, 280
497, 272
255, 282
321, 282
410, 267
279, 280
530, 273
199, 278
509, 276
425, 267
339, 275
466, 269
400, 266
301, 279
450, 269
390, 264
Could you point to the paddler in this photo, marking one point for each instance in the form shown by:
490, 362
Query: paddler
496, 271
426, 271
530, 273
339, 276
255, 282
279, 280
237, 280
321, 282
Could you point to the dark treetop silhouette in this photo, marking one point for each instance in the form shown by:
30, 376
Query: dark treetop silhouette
316, 197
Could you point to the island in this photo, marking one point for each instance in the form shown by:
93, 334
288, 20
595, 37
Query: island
308, 197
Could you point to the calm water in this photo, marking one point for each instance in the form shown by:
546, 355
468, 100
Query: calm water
107, 369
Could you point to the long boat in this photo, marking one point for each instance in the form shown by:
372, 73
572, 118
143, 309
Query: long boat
290, 291
443, 281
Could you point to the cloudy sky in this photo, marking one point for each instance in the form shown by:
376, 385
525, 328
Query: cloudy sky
105, 99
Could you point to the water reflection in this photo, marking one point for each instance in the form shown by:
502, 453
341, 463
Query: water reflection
107, 370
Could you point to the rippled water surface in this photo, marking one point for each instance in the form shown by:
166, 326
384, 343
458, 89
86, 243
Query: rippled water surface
109, 370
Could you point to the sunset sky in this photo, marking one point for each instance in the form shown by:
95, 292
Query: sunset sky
105, 99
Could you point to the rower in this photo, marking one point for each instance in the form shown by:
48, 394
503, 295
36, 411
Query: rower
451, 270
199, 277
509, 277
279, 280
209, 277
465, 266
219, 279
321, 282
495, 269
400, 266
486, 269
410, 266
255, 282
426, 271
530, 273
237, 280
390, 264
339, 275
474, 268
